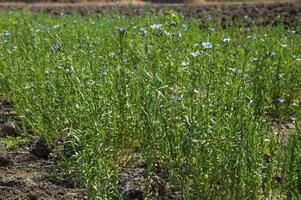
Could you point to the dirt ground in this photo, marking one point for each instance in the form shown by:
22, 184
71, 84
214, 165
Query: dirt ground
24, 176
259, 13
135, 1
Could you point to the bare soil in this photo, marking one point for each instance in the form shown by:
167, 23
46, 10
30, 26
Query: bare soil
259, 13
24, 176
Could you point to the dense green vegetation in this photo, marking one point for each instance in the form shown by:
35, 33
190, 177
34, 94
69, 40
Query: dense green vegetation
209, 105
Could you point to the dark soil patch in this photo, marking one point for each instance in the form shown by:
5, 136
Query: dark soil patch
9, 128
41, 149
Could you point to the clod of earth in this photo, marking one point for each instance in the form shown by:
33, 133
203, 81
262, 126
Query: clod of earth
41, 149
9, 128
5, 161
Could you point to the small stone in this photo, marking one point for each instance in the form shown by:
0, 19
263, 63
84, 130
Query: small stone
9, 128
41, 149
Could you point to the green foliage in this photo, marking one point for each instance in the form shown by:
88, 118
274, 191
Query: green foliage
203, 112
12, 142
